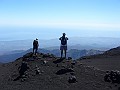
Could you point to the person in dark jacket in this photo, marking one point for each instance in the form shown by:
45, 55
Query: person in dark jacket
35, 46
63, 46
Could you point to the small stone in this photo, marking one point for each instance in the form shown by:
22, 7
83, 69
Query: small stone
72, 79
69, 58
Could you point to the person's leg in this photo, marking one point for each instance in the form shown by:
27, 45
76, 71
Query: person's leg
65, 53
61, 48
36, 51
61, 53
65, 49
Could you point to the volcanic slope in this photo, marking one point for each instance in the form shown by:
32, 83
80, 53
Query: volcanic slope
54, 75
109, 60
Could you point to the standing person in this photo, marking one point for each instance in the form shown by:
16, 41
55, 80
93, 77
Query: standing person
63, 46
35, 46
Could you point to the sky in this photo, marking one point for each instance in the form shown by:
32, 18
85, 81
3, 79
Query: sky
46, 19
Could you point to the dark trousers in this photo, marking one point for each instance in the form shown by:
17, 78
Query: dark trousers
35, 50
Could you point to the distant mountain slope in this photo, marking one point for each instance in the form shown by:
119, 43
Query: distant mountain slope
80, 43
109, 53
74, 53
113, 51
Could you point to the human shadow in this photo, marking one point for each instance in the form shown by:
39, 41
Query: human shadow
58, 61
64, 71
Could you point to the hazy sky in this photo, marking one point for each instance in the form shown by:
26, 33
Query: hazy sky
49, 18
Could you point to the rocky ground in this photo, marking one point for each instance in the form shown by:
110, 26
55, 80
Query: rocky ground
110, 60
88, 76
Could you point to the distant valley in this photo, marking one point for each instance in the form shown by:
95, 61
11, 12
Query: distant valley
77, 47
74, 53
80, 43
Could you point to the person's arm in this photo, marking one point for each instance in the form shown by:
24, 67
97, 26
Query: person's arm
60, 38
66, 38
37, 43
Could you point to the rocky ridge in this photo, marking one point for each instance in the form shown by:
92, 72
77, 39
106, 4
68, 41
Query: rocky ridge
55, 74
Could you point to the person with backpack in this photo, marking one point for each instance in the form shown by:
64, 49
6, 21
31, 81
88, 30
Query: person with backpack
63, 46
35, 46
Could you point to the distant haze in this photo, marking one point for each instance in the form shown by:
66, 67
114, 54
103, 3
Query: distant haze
24, 33
48, 19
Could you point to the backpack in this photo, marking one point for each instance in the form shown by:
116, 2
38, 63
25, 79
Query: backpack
35, 43
63, 41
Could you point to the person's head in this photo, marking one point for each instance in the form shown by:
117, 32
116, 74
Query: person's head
36, 38
64, 34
